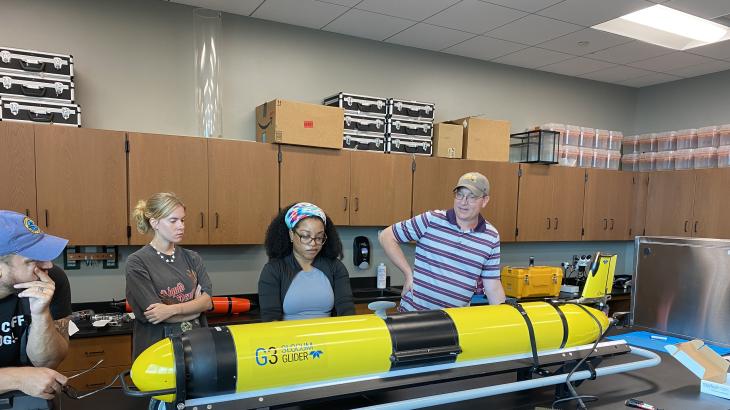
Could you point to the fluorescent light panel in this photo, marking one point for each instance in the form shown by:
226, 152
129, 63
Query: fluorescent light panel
667, 27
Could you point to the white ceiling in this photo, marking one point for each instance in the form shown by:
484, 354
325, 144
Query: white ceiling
547, 35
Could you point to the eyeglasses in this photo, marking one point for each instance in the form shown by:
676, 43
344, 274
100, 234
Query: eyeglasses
307, 240
470, 199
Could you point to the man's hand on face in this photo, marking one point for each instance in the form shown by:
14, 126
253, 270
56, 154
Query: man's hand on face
39, 292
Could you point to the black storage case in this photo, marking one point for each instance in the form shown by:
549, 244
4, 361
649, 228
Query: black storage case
397, 145
364, 123
20, 110
358, 142
410, 129
30, 61
416, 110
359, 104
36, 88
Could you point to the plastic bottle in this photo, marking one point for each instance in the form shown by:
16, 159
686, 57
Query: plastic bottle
382, 275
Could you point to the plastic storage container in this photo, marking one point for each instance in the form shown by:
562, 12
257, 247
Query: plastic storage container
647, 143
568, 156
705, 157
666, 141
587, 137
723, 156
723, 133
683, 159
600, 159
664, 161
602, 139
687, 139
585, 157
630, 145
572, 135
614, 159
707, 137
615, 138
646, 161
630, 162
531, 281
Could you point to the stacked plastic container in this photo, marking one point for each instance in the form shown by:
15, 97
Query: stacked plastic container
587, 147
723, 150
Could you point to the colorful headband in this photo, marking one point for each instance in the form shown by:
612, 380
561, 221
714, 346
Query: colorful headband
303, 210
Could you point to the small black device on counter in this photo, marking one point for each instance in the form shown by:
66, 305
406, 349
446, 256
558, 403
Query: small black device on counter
361, 252
638, 404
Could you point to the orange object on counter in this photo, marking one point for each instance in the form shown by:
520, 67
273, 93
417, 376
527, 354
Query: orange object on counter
222, 305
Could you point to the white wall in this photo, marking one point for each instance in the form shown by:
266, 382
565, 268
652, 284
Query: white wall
134, 71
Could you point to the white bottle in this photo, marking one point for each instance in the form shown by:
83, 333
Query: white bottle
382, 275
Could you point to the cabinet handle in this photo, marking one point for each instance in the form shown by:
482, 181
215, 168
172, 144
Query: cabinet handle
685, 225
92, 385
695, 227
27, 212
217, 217
548, 226
556, 224
357, 204
345, 198
612, 221
93, 353
46, 212
605, 224
202, 220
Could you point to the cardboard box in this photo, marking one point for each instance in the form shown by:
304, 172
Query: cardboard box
297, 123
706, 364
448, 140
485, 139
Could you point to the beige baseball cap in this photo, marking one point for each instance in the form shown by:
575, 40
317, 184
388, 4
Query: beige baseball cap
475, 182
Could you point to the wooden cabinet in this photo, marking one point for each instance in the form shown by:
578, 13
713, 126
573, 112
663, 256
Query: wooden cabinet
669, 203
17, 168
242, 177
165, 163
434, 180
115, 351
81, 181
711, 204
607, 206
353, 188
380, 188
550, 205
640, 191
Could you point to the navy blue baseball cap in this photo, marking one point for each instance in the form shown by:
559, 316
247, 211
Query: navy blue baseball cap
21, 236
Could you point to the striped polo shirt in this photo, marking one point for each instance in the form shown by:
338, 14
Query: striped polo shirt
448, 260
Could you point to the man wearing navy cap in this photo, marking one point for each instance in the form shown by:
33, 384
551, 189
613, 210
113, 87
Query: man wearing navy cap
35, 305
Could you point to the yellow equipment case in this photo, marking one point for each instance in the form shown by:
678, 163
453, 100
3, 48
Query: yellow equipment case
533, 281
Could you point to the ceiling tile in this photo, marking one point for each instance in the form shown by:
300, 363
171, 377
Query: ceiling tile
365, 24
629, 52
307, 13
242, 7
651, 79
671, 61
533, 29
701, 69
584, 42
616, 74
408, 9
529, 6
532, 57
484, 48
718, 50
475, 16
430, 37
348, 3
591, 12
576, 66
708, 9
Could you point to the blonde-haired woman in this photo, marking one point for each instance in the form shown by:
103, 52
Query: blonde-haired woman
167, 286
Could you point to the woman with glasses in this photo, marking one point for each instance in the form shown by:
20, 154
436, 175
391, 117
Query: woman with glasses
304, 277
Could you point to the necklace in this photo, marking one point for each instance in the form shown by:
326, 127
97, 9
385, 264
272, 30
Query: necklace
162, 255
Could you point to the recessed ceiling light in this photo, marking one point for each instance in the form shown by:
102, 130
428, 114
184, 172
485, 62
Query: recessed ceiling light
667, 27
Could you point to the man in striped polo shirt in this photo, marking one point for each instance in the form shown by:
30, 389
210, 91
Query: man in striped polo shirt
454, 248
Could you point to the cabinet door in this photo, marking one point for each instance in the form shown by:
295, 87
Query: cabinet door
501, 210
244, 194
640, 191
607, 205
165, 163
17, 168
81, 177
669, 203
550, 205
711, 204
319, 176
380, 188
